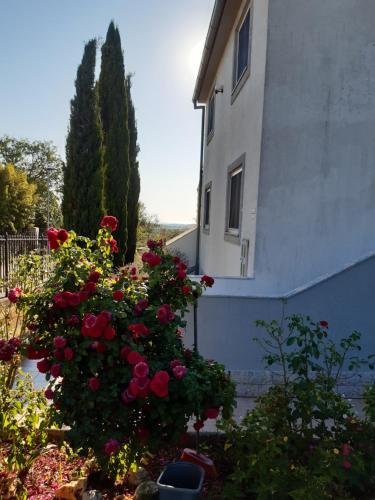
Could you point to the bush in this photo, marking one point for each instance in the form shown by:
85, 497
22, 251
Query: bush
303, 441
111, 348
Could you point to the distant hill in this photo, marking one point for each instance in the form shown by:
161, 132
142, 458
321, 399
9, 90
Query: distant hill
183, 227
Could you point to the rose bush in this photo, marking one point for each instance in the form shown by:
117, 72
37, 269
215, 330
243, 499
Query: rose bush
111, 348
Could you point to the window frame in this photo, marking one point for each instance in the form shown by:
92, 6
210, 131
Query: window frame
233, 235
212, 99
207, 188
237, 84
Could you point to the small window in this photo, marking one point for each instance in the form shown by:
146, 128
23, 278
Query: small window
242, 50
207, 208
211, 116
234, 205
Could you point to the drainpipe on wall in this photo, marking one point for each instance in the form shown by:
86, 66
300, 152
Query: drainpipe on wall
197, 252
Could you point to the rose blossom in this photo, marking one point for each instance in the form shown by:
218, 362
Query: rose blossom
62, 235
207, 280
174, 363
14, 294
49, 393
110, 222
94, 383
140, 370
90, 287
56, 370
73, 320
118, 295
111, 447
135, 357
140, 307
68, 353
43, 366
127, 397
125, 351
59, 342
151, 259
139, 387
165, 314
109, 333
186, 290
211, 412
138, 329
58, 354
323, 324
159, 384
346, 464
94, 276
199, 424
179, 371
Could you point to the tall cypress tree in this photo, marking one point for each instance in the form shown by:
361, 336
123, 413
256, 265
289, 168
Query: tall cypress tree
114, 115
134, 180
84, 171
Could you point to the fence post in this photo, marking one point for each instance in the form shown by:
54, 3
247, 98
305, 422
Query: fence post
6, 262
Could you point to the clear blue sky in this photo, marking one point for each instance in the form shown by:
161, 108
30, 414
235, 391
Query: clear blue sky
41, 46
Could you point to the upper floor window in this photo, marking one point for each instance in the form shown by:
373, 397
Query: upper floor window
207, 207
241, 67
211, 116
234, 200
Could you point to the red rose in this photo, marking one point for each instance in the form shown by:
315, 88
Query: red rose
207, 280
211, 412
152, 259
176, 259
68, 353
59, 301
139, 387
165, 315
140, 370
98, 346
125, 351
112, 446
59, 342
135, 357
109, 333
113, 244
186, 290
179, 371
199, 424
127, 397
94, 383
140, 307
33, 353
110, 222
323, 324
152, 244
118, 295
62, 235
181, 273
83, 295
73, 320
14, 294
107, 315
52, 238
159, 384
56, 370
54, 244
90, 287
138, 329
58, 354
94, 276
49, 393
43, 366
174, 363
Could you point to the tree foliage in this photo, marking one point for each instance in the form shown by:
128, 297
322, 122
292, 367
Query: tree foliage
17, 199
114, 115
83, 203
134, 181
44, 167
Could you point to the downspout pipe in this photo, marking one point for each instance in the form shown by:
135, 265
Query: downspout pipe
199, 210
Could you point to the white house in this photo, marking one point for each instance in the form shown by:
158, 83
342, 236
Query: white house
287, 191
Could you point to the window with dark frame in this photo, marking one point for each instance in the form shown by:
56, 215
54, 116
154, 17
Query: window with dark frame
207, 207
234, 202
211, 115
241, 61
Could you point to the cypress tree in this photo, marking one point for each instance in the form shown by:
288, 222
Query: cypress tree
134, 181
83, 174
114, 116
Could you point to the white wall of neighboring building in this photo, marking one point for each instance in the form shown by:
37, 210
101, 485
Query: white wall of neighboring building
237, 130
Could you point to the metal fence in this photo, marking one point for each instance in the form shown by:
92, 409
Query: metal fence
11, 247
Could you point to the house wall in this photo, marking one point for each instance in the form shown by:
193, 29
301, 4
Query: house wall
237, 131
316, 204
226, 325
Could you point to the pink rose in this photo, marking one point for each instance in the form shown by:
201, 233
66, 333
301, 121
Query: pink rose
111, 447
59, 342
94, 383
127, 397
139, 387
179, 371
140, 370
14, 294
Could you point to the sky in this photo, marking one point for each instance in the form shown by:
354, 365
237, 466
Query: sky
42, 44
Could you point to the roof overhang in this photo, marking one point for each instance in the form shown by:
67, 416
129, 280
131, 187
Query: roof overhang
221, 24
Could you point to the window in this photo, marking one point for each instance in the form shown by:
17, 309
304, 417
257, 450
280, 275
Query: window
242, 50
234, 200
211, 116
207, 208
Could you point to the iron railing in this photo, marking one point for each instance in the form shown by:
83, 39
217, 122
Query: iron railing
11, 247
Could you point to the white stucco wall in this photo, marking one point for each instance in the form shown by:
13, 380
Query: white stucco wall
316, 207
186, 245
237, 131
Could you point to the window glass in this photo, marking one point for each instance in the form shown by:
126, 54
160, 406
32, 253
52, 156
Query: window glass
211, 114
235, 200
243, 46
207, 206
